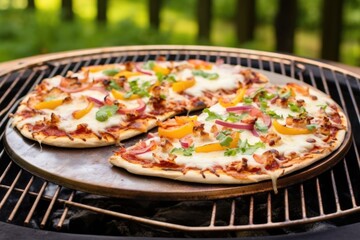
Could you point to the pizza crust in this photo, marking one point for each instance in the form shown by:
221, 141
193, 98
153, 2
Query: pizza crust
210, 178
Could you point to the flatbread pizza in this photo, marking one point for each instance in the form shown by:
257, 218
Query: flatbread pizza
263, 132
102, 105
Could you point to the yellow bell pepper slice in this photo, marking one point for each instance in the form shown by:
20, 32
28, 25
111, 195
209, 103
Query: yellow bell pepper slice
183, 119
120, 96
238, 98
162, 70
177, 132
183, 85
127, 74
81, 113
289, 131
52, 104
213, 147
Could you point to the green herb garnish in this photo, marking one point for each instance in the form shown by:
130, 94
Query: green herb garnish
248, 100
113, 85
260, 126
142, 91
149, 65
233, 117
273, 114
201, 73
311, 127
244, 147
224, 138
184, 151
111, 72
105, 112
211, 115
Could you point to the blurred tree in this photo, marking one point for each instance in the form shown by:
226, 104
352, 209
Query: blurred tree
67, 13
31, 4
154, 7
204, 15
102, 6
331, 29
245, 18
285, 24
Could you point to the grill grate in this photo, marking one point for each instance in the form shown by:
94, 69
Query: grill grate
27, 199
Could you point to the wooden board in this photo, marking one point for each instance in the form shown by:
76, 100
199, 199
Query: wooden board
88, 169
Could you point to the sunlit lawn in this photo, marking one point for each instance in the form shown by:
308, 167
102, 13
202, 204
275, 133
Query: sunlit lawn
24, 34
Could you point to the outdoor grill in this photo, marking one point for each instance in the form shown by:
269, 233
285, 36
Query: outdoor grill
327, 200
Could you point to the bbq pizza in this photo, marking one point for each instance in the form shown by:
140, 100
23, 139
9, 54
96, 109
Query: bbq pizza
250, 129
102, 105
262, 132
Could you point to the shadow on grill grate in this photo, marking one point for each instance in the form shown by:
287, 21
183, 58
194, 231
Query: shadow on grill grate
323, 202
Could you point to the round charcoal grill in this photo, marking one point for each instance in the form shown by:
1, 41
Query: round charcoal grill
332, 197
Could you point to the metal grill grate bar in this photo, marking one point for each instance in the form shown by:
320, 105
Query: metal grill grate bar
35, 204
20, 201
3, 201
49, 209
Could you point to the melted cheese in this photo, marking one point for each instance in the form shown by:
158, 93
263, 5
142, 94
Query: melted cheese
227, 80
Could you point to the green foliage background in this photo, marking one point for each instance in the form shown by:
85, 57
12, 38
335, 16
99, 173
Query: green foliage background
26, 33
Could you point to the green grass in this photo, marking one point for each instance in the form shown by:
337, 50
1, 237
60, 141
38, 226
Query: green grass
25, 33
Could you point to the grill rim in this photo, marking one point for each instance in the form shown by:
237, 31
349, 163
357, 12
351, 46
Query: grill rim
249, 55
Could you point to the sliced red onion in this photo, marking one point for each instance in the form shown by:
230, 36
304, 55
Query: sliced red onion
96, 101
235, 125
267, 120
239, 108
139, 69
141, 108
185, 141
254, 132
273, 100
143, 150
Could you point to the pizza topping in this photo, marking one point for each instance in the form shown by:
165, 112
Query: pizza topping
105, 112
182, 128
51, 104
181, 86
238, 98
207, 75
121, 96
141, 147
137, 110
80, 113
290, 131
183, 151
240, 126
111, 72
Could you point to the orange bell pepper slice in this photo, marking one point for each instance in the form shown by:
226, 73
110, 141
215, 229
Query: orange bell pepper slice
52, 104
183, 85
81, 113
200, 64
303, 90
120, 96
289, 131
186, 126
159, 69
177, 132
213, 147
240, 93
